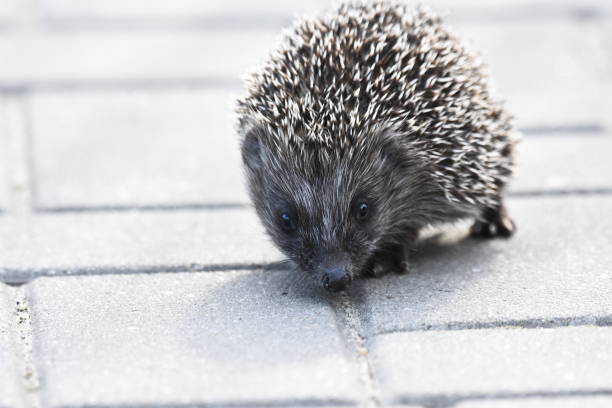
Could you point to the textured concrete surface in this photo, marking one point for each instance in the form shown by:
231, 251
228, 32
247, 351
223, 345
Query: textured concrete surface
111, 11
552, 77
571, 402
130, 242
124, 170
112, 242
132, 148
476, 11
105, 58
8, 374
557, 163
206, 13
179, 148
556, 269
433, 366
9, 10
4, 155
227, 338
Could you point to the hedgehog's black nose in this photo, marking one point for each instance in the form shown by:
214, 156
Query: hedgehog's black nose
336, 279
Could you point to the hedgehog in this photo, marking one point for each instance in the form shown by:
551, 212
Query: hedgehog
367, 124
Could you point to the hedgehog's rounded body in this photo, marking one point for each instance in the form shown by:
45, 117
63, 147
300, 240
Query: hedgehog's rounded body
379, 105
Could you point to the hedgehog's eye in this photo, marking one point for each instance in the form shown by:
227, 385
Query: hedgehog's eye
287, 222
362, 210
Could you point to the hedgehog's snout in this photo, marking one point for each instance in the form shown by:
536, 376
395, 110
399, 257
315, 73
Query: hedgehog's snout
335, 276
336, 280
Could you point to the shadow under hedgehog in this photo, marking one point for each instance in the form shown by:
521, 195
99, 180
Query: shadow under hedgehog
365, 125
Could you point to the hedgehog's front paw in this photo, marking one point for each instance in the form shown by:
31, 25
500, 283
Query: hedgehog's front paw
379, 268
386, 262
405, 267
495, 223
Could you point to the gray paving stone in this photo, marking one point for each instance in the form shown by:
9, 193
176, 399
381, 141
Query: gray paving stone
4, 158
561, 402
558, 163
210, 338
508, 10
552, 72
8, 13
59, 244
8, 376
112, 10
136, 148
180, 148
555, 269
129, 242
104, 58
447, 365
206, 12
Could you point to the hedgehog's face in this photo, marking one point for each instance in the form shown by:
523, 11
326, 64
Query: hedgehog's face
327, 212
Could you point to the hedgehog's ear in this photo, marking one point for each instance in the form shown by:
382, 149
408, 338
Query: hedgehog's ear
389, 144
251, 148
396, 153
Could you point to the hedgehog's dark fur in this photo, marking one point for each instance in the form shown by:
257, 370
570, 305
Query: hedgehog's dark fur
377, 104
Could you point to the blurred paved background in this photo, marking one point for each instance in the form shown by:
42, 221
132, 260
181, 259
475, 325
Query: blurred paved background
121, 193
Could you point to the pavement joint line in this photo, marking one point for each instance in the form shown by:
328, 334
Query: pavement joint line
451, 400
561, 192
111, 85
34, 273
266, 21
245, 206
146, 207
21, 186
231, 84
538, 323
350, 325
14, 346
246, 23
568, 130
230, 404
220, 82
30, 384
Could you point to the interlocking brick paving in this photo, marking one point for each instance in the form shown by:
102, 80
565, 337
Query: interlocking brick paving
119, 164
